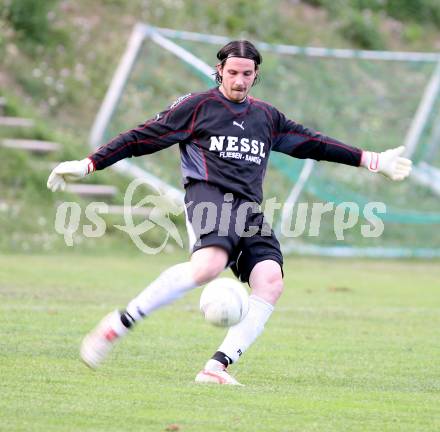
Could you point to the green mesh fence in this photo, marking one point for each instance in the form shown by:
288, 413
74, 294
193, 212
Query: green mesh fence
366, 103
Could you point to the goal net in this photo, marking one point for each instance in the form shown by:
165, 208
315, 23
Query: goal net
370, 99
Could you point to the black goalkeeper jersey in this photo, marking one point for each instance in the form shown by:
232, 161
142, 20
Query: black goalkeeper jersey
225, 143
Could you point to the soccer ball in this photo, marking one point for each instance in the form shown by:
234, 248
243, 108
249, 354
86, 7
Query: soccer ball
224, 302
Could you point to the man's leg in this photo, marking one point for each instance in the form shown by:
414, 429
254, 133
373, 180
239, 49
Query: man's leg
266, 282
205, 265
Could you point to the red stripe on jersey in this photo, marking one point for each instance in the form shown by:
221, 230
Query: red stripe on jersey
147, 141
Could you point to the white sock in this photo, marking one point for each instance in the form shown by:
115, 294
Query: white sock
240, 337
214, 365
169, 286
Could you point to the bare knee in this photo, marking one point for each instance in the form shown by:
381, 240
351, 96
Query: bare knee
266, 281
208, 263
275, 289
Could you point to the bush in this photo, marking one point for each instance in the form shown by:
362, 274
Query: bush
419, 11
363, 30
30, 18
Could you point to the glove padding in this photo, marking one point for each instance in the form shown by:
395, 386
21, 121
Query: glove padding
389, 163
69, 171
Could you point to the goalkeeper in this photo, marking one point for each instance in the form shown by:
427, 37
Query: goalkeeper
225, 138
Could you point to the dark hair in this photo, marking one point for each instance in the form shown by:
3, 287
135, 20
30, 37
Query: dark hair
238, 48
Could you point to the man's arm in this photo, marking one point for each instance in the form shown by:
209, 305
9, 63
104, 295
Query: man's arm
303, 143
169, 127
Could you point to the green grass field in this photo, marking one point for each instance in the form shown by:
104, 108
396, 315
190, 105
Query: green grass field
352, 346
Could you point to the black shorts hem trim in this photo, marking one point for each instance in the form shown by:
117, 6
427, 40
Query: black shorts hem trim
246, 273
214, 242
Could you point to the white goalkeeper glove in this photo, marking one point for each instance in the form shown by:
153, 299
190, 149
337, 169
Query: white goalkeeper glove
390, 163
69, 171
